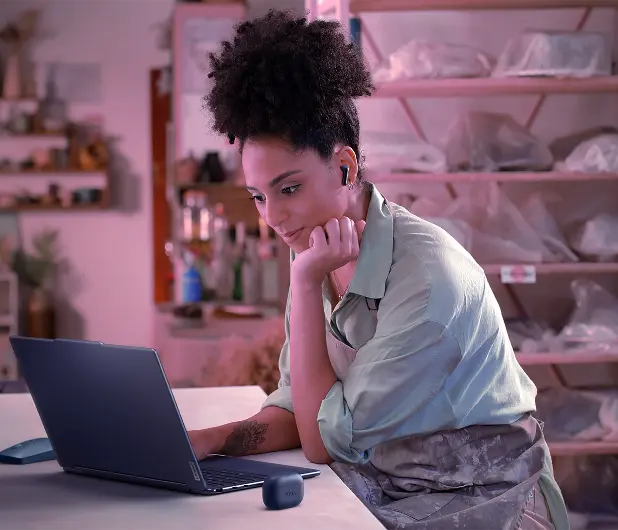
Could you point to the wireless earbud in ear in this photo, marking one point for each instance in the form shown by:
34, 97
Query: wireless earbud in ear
345, 170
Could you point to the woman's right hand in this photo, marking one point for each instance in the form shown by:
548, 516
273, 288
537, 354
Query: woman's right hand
204, 442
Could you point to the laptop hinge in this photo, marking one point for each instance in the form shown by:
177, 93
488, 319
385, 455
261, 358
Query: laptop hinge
124, 477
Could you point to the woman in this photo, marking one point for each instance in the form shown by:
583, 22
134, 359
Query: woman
397, 369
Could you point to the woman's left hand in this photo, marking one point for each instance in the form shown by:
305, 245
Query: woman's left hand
330, 248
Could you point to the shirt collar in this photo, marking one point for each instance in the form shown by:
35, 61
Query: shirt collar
376, 250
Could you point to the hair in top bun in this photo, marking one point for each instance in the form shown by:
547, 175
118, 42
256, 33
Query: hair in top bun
285, 77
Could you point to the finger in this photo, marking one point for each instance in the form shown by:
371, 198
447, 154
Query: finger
360, 228
348, 234
317, 238
354, 242
333, 234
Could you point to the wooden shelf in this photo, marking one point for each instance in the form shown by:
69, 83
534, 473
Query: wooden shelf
235, 199
229, 187
494, 86
19, 100
583, 448
504, 176
559, 268
54, 208
591, 357
53, 172
38, 135
359, 6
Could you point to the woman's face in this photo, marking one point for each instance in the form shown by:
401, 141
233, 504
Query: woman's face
294, 191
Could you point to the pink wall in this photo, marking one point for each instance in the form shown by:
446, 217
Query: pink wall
110, 252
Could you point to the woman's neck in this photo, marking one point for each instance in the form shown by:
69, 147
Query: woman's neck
358, 204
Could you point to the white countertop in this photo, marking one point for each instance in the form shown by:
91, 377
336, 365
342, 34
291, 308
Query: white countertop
41, 496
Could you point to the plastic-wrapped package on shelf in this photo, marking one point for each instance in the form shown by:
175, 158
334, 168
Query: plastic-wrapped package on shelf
523, 332
496, 230
487, 142
595, 155
535, 211
555, 54
594, 321
574, 415
597, 238
562, 146
589, 485
487, 224
593, 325
401, 152
419, 59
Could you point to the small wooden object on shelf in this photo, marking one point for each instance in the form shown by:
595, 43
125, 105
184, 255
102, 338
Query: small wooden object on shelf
85, 154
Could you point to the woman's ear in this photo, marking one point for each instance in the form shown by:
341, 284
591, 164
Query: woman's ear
346, 157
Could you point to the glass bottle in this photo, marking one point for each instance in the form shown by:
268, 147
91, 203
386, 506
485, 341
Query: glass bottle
52, 110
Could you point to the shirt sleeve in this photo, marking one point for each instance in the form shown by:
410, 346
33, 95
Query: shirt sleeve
394, 375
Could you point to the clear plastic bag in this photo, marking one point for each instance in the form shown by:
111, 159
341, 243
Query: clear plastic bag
420, 59
488, 225
571, 415
538, 217
484, 141
401, 152
597, 239
593, 326
589, 485
594, 322
596, 155
556, 54
523, 332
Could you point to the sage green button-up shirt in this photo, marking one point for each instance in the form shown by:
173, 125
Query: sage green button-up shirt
434, 355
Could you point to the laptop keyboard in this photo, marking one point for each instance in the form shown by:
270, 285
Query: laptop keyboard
225, 478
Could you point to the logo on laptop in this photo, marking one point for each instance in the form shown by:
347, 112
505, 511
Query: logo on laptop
196, 473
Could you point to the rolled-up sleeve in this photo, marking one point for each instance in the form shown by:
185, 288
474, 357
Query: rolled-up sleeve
394, 376
282, 396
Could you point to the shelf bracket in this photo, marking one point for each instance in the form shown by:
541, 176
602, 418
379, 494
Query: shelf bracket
541, 99
407, 108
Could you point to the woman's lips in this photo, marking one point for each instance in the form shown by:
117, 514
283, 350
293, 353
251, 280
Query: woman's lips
291, 236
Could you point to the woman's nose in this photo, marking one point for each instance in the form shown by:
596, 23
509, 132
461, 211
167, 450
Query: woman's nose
274, 215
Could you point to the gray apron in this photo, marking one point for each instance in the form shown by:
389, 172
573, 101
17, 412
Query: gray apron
476, 478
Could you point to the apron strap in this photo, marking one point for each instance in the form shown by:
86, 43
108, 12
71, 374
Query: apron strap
373, 304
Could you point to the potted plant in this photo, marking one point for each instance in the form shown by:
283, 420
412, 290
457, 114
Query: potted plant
36, 271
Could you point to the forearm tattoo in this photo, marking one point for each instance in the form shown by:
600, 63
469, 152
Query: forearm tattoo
247, 436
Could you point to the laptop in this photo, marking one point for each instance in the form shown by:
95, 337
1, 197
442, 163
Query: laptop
109, 412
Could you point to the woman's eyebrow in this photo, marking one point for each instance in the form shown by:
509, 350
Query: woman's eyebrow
278, 179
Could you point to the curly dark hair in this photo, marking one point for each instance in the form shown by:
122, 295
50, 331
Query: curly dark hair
285, 77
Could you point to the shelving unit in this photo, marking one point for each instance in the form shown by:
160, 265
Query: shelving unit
380, 6
454, 178
559, 268
561, 358
489, 86
542, 87
23, 177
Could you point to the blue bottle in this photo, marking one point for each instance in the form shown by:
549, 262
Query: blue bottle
191, 285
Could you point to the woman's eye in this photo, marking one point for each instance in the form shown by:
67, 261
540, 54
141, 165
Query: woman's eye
290, 189
257, 198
